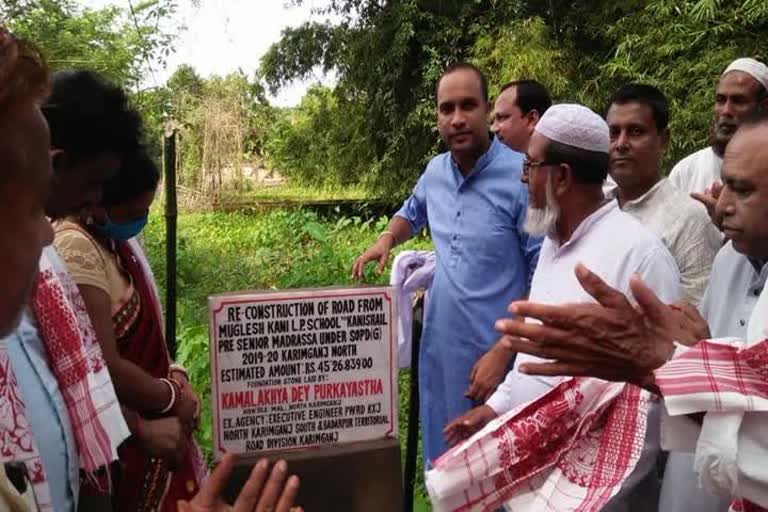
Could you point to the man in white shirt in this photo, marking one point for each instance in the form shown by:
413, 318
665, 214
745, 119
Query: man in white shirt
566, 165
730, 395
742, 88
638, 117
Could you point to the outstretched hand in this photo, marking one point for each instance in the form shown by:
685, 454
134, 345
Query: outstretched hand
264, 491
611, 340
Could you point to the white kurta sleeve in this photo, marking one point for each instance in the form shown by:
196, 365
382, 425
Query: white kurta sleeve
501, 399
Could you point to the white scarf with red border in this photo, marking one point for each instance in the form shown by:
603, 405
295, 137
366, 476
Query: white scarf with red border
76, 361
728, 380
570, 449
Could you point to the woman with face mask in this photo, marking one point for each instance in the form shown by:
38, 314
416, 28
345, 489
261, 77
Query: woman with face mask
114, 278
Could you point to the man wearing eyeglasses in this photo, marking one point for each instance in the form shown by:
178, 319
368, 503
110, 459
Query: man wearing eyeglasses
566, 165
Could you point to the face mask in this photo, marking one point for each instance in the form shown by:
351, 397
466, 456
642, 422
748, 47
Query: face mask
123, 231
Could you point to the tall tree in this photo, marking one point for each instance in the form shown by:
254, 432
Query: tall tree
388, 54
223, 123
113, 41
127, 47
683, 47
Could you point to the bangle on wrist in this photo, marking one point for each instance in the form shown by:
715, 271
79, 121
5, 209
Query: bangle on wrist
178, 387
390, 233
174, 396
177, 368
177, 384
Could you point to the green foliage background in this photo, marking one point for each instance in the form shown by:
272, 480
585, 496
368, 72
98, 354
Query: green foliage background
375, 127
388, 55
126, 48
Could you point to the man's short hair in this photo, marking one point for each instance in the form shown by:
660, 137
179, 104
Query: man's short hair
23, 72
88, 116
465, 66
647, 95
589, 167
531, 95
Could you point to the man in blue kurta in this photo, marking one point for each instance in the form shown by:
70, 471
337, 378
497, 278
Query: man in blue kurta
475, 204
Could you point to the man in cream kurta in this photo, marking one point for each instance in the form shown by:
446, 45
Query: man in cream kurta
686, 231
638, 119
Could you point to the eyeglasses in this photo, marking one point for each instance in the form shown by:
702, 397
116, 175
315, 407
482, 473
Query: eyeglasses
528, 165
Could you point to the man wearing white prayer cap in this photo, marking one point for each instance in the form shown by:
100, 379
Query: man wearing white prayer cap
715, 391
741, 89
566, 165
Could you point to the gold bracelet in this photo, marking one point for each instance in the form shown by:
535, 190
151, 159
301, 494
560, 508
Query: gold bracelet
394, 238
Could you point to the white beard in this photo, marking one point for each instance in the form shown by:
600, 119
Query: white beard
543, 221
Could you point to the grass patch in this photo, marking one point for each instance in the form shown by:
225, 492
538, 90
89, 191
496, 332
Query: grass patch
290, 192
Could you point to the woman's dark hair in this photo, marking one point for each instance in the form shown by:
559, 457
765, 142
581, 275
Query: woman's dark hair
89, 116
138, 174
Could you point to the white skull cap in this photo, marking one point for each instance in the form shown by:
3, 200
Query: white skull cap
752, 67
575, 125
